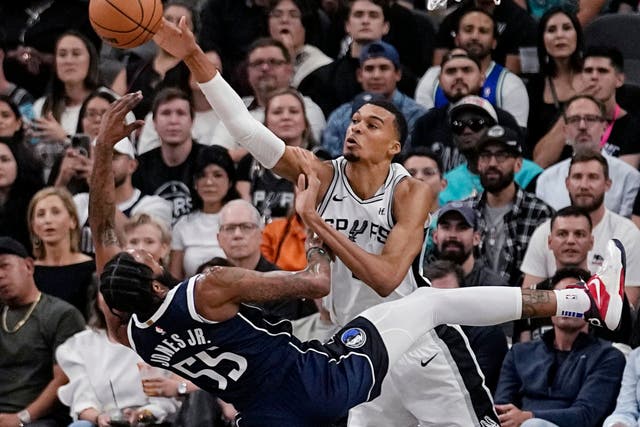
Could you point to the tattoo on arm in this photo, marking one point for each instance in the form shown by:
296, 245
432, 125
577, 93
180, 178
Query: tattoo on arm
109, 236
536, 303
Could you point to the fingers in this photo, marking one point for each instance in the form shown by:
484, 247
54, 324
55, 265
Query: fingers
301, 185
125, 104
131, 127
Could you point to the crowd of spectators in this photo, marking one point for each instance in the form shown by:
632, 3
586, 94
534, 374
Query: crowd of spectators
525, 134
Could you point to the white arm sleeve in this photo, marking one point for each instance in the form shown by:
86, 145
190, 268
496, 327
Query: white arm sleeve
263, 145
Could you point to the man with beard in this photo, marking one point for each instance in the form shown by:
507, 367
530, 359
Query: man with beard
587, 182
477, 32
460, 76
507, 215
470, 118
583, 129
456, 238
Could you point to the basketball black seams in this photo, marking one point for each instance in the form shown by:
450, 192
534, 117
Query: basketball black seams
145, 28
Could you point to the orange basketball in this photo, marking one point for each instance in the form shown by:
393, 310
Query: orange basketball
125, 23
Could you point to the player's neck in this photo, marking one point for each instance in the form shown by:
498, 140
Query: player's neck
365, 180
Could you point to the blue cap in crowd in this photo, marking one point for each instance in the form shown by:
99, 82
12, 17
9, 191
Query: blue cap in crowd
380, 49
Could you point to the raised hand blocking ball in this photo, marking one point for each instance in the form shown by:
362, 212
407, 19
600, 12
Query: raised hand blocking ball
125, 23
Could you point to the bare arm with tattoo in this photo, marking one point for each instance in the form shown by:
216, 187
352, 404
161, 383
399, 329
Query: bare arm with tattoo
538, 303
220, 290
102, 197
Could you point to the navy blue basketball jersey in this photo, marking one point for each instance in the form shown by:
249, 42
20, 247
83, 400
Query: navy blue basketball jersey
178, 339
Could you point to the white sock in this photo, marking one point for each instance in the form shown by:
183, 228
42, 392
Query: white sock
572, 302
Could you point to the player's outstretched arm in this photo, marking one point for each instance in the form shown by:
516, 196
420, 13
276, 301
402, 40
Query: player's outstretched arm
102, 197
222, 289
383, 272
263, 145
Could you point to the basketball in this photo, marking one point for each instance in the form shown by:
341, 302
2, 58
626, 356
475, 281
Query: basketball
125, 23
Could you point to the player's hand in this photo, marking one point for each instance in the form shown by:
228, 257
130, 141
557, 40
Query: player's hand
510, 415
178, 40
306, 190
160, 387
9, 420
114, 127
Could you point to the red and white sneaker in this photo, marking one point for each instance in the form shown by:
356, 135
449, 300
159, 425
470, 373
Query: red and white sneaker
606, 288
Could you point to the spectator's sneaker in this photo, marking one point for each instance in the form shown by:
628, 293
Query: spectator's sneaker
606, 288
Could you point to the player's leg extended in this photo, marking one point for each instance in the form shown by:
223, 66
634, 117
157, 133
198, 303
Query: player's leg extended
599, 301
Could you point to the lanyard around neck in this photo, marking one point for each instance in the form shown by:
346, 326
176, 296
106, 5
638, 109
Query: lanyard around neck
607, 132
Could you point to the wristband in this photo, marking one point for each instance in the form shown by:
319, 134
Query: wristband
24, 416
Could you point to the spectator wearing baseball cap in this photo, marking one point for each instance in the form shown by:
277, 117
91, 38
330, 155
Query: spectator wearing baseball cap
33, 324
335, 84
379, 74
471, 118
460, 77
507, 215
129, 199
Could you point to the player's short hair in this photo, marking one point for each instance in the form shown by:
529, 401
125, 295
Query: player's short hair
126, 285
399, 121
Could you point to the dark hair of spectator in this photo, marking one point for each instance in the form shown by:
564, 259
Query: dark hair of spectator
583, 156
455, 53
569, 273
548, 65
19, 134
399, 121
269, 42
442, 268
29, 178
106, 95
214, 155
213, 262
612, 53
384, 4
571, 211
484, 12
169, 94
424, 152
55, 100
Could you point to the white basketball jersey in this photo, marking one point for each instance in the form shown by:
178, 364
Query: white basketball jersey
368, 224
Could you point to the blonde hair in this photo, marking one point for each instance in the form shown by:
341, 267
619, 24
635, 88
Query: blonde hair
67, 200
140, 219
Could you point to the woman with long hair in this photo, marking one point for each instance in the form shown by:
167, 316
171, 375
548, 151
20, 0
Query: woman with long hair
61, 269
58, 111
194, 235
285, 116
560, 48
20, 174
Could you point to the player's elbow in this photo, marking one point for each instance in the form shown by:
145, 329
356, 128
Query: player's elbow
385, 284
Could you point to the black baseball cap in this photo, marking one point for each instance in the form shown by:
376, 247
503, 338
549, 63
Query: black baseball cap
504, 135
10, 246
464, 209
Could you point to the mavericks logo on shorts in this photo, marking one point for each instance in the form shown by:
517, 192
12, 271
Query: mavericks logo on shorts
353, 338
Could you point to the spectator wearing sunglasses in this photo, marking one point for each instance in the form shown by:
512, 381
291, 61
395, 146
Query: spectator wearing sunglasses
460, 76
469, 119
